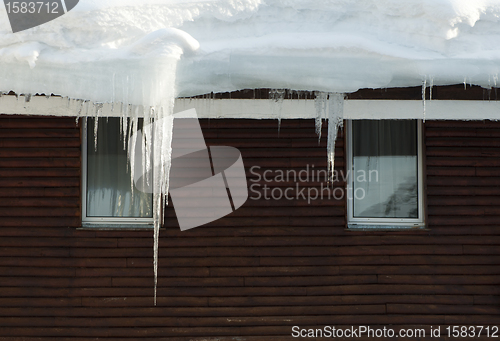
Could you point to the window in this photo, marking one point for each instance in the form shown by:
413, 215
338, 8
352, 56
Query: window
385, 187
107, 192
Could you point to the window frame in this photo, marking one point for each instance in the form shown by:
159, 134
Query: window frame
113, 222
385, 223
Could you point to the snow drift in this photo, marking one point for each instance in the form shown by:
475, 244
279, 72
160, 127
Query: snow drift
122, 51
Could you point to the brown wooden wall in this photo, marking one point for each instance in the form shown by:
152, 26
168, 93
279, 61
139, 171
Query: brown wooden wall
39, 172
258, 272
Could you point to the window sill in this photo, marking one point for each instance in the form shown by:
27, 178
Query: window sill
109, 226
392, 228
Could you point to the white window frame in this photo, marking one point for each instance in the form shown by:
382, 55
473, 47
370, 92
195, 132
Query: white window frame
362, 223
100, 221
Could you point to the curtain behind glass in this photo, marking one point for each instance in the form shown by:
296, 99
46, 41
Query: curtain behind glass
385, 174
108, 181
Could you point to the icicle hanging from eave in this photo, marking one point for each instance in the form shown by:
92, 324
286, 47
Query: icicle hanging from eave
277, 96
331, 106
424, 89
157, 105
163, 138
320, 104
152, 175
335, 121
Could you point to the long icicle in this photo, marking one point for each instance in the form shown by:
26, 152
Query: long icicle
424, 88
154, 145
162, 152
277, 96
335, 121
320, 99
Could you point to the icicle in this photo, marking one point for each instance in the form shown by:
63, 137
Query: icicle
113, 95
133, 141
88, 109
320, 99
495, 80
488, 88
124, 117
163, 131
98, 110
157, 206
431, 85
147, 143
465, 83
335, 121
81, 107
277, 96
155, 147
424, 86
212, 102
96, 124
121, 130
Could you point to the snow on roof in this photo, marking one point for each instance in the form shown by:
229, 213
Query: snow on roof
147, 52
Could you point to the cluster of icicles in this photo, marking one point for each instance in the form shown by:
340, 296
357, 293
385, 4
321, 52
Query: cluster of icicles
155, 146
329, 107
156, 152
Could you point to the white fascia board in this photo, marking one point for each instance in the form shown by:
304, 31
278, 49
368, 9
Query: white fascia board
353, 109
267, 109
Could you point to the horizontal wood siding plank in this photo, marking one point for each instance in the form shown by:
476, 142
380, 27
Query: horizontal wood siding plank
39, 212
40, 152
39, 182
37, 142
141, 312
39, 202
40, 221
39, 162
17, 193
42, 133
38, 123
39, 172
442, 309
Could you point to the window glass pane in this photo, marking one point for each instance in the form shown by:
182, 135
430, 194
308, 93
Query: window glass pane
109, 191
385, 174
